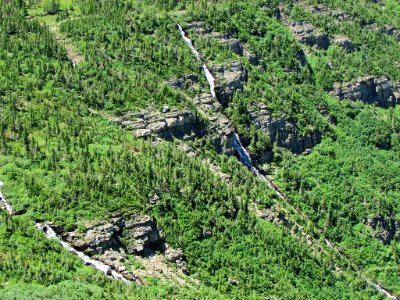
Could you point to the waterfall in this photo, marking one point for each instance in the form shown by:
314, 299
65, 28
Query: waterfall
244, 156
209, 77
51, 234
386, 293
3, 201
211, 80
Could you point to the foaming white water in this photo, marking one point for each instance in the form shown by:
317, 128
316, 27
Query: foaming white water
386, 293
244, 156
51, 234
209, 77
3, 201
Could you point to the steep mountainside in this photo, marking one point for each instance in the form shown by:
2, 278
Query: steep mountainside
199, 149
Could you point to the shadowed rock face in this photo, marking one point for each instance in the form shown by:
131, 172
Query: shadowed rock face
344, 42
283, 131
384, 229
184, 82
371, 90
231, 78
139, 234
306, 34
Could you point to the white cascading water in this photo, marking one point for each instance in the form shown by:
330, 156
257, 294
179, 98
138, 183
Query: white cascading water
51, 234
3, 201
209, 77
386, 293
244, 156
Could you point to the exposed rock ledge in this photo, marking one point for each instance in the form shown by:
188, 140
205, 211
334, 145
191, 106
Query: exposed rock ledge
230, 79
307, 34
384, 229
223, 39
112, 241
371, 90
167, 124
281, 130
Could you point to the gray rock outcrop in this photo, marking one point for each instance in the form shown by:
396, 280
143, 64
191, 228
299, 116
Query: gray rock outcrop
168, 124
98, 236
230, 79
225, 40
371, 90
384, 229
222, 39
385, 29
140, 232
307, 34
344, 42
113, 240
283, 131
184, 82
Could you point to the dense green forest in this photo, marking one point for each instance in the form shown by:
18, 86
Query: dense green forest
70, 68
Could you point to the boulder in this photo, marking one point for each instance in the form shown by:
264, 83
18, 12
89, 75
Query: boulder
307, 34
371, 90
207, 233
173, 255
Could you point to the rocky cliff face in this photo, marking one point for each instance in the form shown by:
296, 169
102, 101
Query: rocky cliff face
223, 39
112, 241
281, 130
166, 124
139, 233
230, 79
371, 90
307, 34
384, 229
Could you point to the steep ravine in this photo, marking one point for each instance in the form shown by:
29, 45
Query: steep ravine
243, 154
